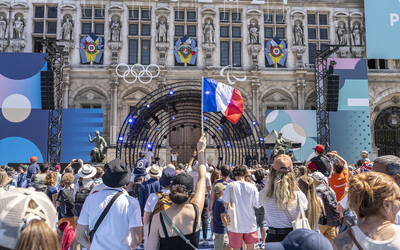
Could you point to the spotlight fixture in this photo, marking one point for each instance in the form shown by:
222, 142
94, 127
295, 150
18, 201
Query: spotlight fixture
121, 138
218, 147
254, 123
149, 145
130, 120
205, 118
194, 126
173, 118
173, 129
158, 129
213, 137
228, 144
220, 128
158, 146
183, 125
171, 92
261, 139
148, 106
165, 137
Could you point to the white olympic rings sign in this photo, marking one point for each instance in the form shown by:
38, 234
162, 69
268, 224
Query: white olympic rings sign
131, 70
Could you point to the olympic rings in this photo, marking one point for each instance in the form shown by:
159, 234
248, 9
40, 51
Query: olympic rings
131, 70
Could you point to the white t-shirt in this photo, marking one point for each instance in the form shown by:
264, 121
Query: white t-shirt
152, 201
195, 176
344, 202
174, 157
368, 243
114, 231
277, 218
149, 155
245, 198
98, 188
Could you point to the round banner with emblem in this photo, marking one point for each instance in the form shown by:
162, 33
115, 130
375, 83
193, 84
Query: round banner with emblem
276, 51
91, 47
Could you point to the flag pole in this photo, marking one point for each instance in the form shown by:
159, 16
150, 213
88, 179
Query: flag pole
202, 104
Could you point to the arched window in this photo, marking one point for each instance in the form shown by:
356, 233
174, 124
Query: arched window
387, 133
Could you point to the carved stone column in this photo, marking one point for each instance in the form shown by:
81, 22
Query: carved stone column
255, 86
3, 44
299, 51
300, 94
66, 46
114, 109
254, 50
208, 49
163, 52
66, 84
114, 46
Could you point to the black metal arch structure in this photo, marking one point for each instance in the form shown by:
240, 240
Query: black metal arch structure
179, 105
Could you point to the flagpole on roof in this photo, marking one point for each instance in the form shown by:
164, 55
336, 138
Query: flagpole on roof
202, 93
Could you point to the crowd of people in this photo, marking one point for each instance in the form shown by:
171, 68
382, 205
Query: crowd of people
324, 204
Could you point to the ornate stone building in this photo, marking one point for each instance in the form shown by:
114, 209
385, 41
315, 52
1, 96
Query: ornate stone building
227, 32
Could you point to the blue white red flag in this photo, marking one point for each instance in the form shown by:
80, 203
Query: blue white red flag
221, 97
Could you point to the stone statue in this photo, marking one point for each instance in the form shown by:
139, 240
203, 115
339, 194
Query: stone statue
18, 28
357, 35
162, 31
97, 154
281, 146
3, 28
67, 29
208, 32
342, 34
253, 33
115, 31
298, 35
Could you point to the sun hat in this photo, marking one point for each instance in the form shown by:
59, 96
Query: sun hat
154, 171
364, 153
313, 166
14, 206
319, 148
170, 166
318, 176
185, 181
167, 177
301, 239
219, 187
283, 163
87, 171
116, 173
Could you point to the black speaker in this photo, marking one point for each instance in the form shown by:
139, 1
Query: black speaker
332, 93
47, 89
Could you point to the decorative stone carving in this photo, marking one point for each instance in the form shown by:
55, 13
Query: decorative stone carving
66, 46
18, 28
254, 50
3, 27
114, 46
342, 32
209, 31
3, 44
67, 28
115, 30
208, 49
254, 32
66, 34
162, 26
297, 19
299, 50
357, 34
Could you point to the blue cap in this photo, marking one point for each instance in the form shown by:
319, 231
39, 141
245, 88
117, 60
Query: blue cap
167, 177
301, 239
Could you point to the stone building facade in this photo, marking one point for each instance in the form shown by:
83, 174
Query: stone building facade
145, 31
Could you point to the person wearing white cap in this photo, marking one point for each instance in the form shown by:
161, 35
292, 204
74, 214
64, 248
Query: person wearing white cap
150, 186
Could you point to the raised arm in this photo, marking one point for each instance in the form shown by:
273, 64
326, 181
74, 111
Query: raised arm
198, 198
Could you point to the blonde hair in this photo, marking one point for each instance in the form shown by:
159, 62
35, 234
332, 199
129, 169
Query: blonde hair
67, 179
51, 179
306, 185
303, 170
38, 236
215, 175
281, 187
368, 191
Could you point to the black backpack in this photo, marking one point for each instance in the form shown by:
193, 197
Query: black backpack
333, 218
81, 195
136, 186
40, 186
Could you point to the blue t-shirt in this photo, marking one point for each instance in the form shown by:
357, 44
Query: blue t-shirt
32, 170
52, 190
218, 208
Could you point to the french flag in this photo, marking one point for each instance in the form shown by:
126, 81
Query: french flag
221, 97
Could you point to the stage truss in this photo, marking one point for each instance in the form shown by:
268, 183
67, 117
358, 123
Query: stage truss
155, 117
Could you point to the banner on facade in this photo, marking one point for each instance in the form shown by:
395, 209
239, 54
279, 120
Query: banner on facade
91, 48
185, 50
382, 19
275, 51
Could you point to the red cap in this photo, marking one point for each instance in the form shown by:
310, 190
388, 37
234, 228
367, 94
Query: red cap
319, 148
313, 166
57, 168
33, 159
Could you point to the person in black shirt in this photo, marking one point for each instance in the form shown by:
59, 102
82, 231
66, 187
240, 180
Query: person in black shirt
65, 200
323, 162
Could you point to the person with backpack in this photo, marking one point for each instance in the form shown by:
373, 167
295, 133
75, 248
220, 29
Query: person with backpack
150, 186
66, 200
81, 192
139, 179
22, 176
37, 180
328, 197
140, 170
158, 201
51, 182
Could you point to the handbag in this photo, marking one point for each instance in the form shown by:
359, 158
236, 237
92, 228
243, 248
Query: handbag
350, 231
232, 222
103, 215
301, 220
177, 231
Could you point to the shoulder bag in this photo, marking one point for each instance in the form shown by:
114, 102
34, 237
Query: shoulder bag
301, 220
177, 231
350, 231
103, 215
232, 221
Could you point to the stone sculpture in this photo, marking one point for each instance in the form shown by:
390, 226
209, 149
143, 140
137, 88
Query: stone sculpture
98, 153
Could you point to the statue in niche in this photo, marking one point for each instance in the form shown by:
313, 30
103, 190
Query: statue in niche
162, 31
208, 32
357, 34
3, 28
342, 34
18, 28
67, 29
253, 33
298, 34
115, 31
281, 146
98, 153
